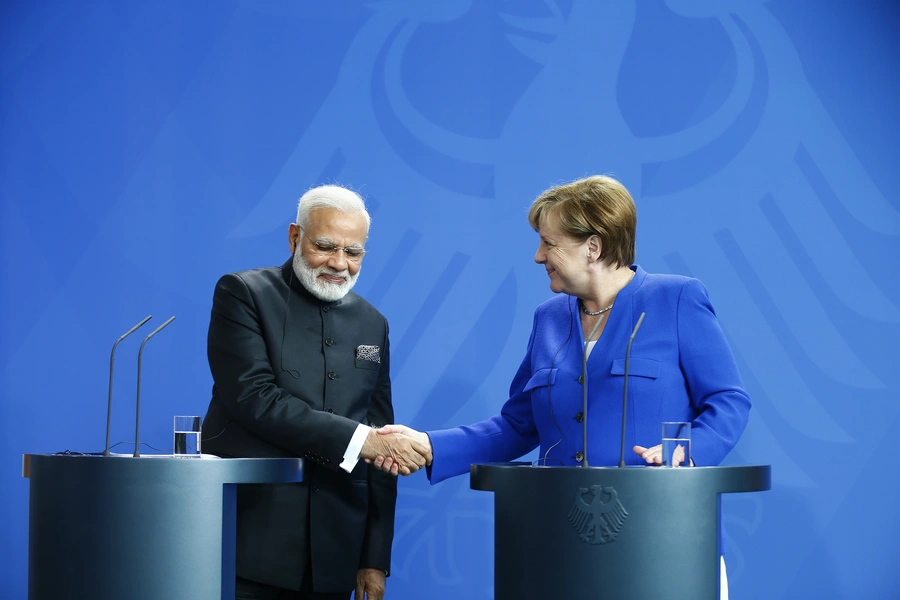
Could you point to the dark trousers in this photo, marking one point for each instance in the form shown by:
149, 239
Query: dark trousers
251, 590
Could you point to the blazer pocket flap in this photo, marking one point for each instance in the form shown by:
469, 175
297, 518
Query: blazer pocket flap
639, 367
541, 378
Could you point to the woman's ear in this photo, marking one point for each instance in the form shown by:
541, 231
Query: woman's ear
595, 248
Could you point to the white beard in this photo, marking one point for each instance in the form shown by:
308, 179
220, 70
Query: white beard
323, 290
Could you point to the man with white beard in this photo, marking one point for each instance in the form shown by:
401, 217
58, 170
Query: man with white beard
301, 368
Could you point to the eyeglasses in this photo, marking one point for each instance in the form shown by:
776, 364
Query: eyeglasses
322, 248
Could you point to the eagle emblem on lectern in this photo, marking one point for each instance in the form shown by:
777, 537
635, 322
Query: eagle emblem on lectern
598, 520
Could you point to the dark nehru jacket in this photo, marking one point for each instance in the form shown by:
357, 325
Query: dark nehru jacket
293, 377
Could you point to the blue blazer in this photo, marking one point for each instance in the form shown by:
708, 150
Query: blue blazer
681, 369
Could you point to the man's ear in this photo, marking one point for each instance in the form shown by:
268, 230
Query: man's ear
293, 236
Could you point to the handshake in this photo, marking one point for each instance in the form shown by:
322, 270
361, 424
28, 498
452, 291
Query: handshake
397, 449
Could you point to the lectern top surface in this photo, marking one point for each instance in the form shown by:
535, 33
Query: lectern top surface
165, 467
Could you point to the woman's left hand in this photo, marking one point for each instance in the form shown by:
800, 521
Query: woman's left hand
653, 455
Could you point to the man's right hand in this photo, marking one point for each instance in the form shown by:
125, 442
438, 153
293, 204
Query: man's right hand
386, 463
407, 454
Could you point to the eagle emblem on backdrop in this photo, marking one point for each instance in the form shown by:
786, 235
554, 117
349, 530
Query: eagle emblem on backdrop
692, 164
600, 519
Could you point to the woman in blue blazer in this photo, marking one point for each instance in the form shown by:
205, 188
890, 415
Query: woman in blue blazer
681, 368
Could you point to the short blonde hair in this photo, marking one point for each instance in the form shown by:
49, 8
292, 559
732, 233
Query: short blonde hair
597, 205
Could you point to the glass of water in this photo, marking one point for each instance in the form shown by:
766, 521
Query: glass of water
676, 444
187, 436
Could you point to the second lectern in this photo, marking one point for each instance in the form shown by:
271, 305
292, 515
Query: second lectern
627, 534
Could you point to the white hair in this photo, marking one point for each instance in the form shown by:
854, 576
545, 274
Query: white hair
331, 196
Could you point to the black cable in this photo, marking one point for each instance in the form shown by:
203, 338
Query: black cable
549, 403
292, 372
75, 453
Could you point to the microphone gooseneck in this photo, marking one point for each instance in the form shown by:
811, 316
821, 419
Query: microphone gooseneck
137, 412
584, 386
625, 392
112, 362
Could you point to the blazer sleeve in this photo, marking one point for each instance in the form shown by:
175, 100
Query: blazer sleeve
501, 438
245, 382
714, 382
379, 534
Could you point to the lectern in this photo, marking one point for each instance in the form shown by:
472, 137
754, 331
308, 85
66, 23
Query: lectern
111, 528
635, 533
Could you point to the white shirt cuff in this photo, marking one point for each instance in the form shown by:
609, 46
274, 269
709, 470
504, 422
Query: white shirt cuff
351, 455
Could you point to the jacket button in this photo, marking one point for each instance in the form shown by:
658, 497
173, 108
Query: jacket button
581, 379
328, 410
580, 417
326, 308
332, 375
315, 489
579, 456
329, 341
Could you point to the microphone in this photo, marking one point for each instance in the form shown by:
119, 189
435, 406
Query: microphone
625, 393
137, 413
112, 362
584, 379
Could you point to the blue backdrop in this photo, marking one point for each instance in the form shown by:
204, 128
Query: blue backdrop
148, 147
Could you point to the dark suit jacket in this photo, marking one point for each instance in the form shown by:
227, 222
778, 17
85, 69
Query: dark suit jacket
288, 383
